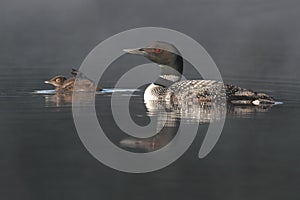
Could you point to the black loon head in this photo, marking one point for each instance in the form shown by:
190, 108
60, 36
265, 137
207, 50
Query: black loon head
57, 81
164, 54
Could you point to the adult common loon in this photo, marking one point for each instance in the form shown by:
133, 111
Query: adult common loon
64, 85
168, 86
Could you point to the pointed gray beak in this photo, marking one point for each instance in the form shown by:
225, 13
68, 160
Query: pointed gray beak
47, 82
137, 51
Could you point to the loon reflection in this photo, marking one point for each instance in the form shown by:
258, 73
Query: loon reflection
203, 113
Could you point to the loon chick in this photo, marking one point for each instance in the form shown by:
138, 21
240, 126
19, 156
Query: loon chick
168, 86
64, 85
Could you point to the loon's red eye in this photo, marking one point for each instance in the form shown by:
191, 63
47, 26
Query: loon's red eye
158, 50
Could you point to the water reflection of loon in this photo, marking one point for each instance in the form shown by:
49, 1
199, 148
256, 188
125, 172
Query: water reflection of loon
203, 114
168, 86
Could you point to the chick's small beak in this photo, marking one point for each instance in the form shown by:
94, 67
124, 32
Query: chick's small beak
138, 51
47, 82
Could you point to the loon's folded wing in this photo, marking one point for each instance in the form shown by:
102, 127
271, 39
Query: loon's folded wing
207, 90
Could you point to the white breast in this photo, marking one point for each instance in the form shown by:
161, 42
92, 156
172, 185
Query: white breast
148, 95
154, 92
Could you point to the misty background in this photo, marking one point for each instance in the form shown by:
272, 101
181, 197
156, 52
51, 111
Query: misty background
243, 37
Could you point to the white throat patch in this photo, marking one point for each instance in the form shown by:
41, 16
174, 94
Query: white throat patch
173, 78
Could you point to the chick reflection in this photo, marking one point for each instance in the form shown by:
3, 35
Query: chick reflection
58, 100
65, 99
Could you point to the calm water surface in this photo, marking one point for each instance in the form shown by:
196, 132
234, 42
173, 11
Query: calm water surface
255, 44
42, 156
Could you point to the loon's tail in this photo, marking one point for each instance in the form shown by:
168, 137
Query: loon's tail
237, 95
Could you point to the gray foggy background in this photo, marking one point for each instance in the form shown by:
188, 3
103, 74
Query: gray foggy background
257, 37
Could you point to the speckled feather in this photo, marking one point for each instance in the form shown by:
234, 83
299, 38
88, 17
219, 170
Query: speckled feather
195, 91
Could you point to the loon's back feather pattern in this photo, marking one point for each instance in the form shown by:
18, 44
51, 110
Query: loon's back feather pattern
197, 91
194, 91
